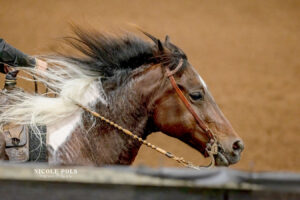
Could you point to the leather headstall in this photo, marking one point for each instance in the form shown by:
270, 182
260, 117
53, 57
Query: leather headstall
208, 133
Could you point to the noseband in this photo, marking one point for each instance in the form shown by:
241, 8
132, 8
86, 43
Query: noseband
211, 145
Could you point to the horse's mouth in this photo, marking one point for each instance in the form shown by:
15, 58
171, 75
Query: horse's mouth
224, 158
221, 160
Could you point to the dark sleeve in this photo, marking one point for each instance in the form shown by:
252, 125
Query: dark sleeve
2, 68
13, 56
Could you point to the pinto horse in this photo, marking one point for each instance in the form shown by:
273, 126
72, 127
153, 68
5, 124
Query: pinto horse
125, 79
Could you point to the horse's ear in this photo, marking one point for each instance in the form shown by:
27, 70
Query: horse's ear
167, 40
160, 46
168, 43
155, 40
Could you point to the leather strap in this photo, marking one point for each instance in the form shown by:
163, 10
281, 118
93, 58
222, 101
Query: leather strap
174, 71
200, 122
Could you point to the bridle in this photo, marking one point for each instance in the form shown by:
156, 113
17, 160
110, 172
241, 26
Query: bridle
211, 146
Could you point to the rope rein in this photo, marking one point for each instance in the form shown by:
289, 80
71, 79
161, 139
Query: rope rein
211, 150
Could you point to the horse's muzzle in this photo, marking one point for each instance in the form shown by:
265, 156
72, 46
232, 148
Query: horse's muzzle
229, 157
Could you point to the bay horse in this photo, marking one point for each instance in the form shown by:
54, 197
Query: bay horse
124, 79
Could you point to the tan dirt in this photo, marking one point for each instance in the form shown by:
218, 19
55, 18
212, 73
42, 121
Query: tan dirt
247, 51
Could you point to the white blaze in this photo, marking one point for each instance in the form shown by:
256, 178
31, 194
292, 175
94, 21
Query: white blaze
202, 81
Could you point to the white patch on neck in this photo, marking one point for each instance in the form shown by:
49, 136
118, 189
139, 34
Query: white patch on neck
60, 132
202, 81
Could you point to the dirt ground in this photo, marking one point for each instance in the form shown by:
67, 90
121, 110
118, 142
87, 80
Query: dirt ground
247, 51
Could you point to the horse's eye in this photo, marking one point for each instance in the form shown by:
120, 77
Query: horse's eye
196, 96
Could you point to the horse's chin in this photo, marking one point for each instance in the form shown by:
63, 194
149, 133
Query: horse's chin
221, 160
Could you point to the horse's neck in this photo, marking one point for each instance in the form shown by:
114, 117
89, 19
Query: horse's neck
104, 144
113, 146
128, 107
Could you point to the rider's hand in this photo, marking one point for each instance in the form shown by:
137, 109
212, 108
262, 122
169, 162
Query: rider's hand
41, 65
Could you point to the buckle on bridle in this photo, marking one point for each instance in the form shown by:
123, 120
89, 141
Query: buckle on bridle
174, 71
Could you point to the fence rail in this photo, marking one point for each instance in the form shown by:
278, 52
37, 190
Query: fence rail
41, 181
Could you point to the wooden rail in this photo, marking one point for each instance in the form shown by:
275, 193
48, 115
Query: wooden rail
44, 182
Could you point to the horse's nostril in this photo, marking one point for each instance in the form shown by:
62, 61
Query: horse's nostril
238, 145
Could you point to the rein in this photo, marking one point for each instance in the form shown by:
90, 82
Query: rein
211, 147
180, 160
208, 133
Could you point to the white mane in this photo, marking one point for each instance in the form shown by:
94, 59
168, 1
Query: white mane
68, 81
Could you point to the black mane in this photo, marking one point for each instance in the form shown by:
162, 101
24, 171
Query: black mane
109, 55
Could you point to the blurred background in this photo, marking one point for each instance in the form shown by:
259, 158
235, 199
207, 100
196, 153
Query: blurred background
248, 52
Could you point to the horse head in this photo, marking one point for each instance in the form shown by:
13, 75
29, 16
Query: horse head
172, 117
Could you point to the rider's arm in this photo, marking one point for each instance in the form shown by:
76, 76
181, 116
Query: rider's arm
14, 57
